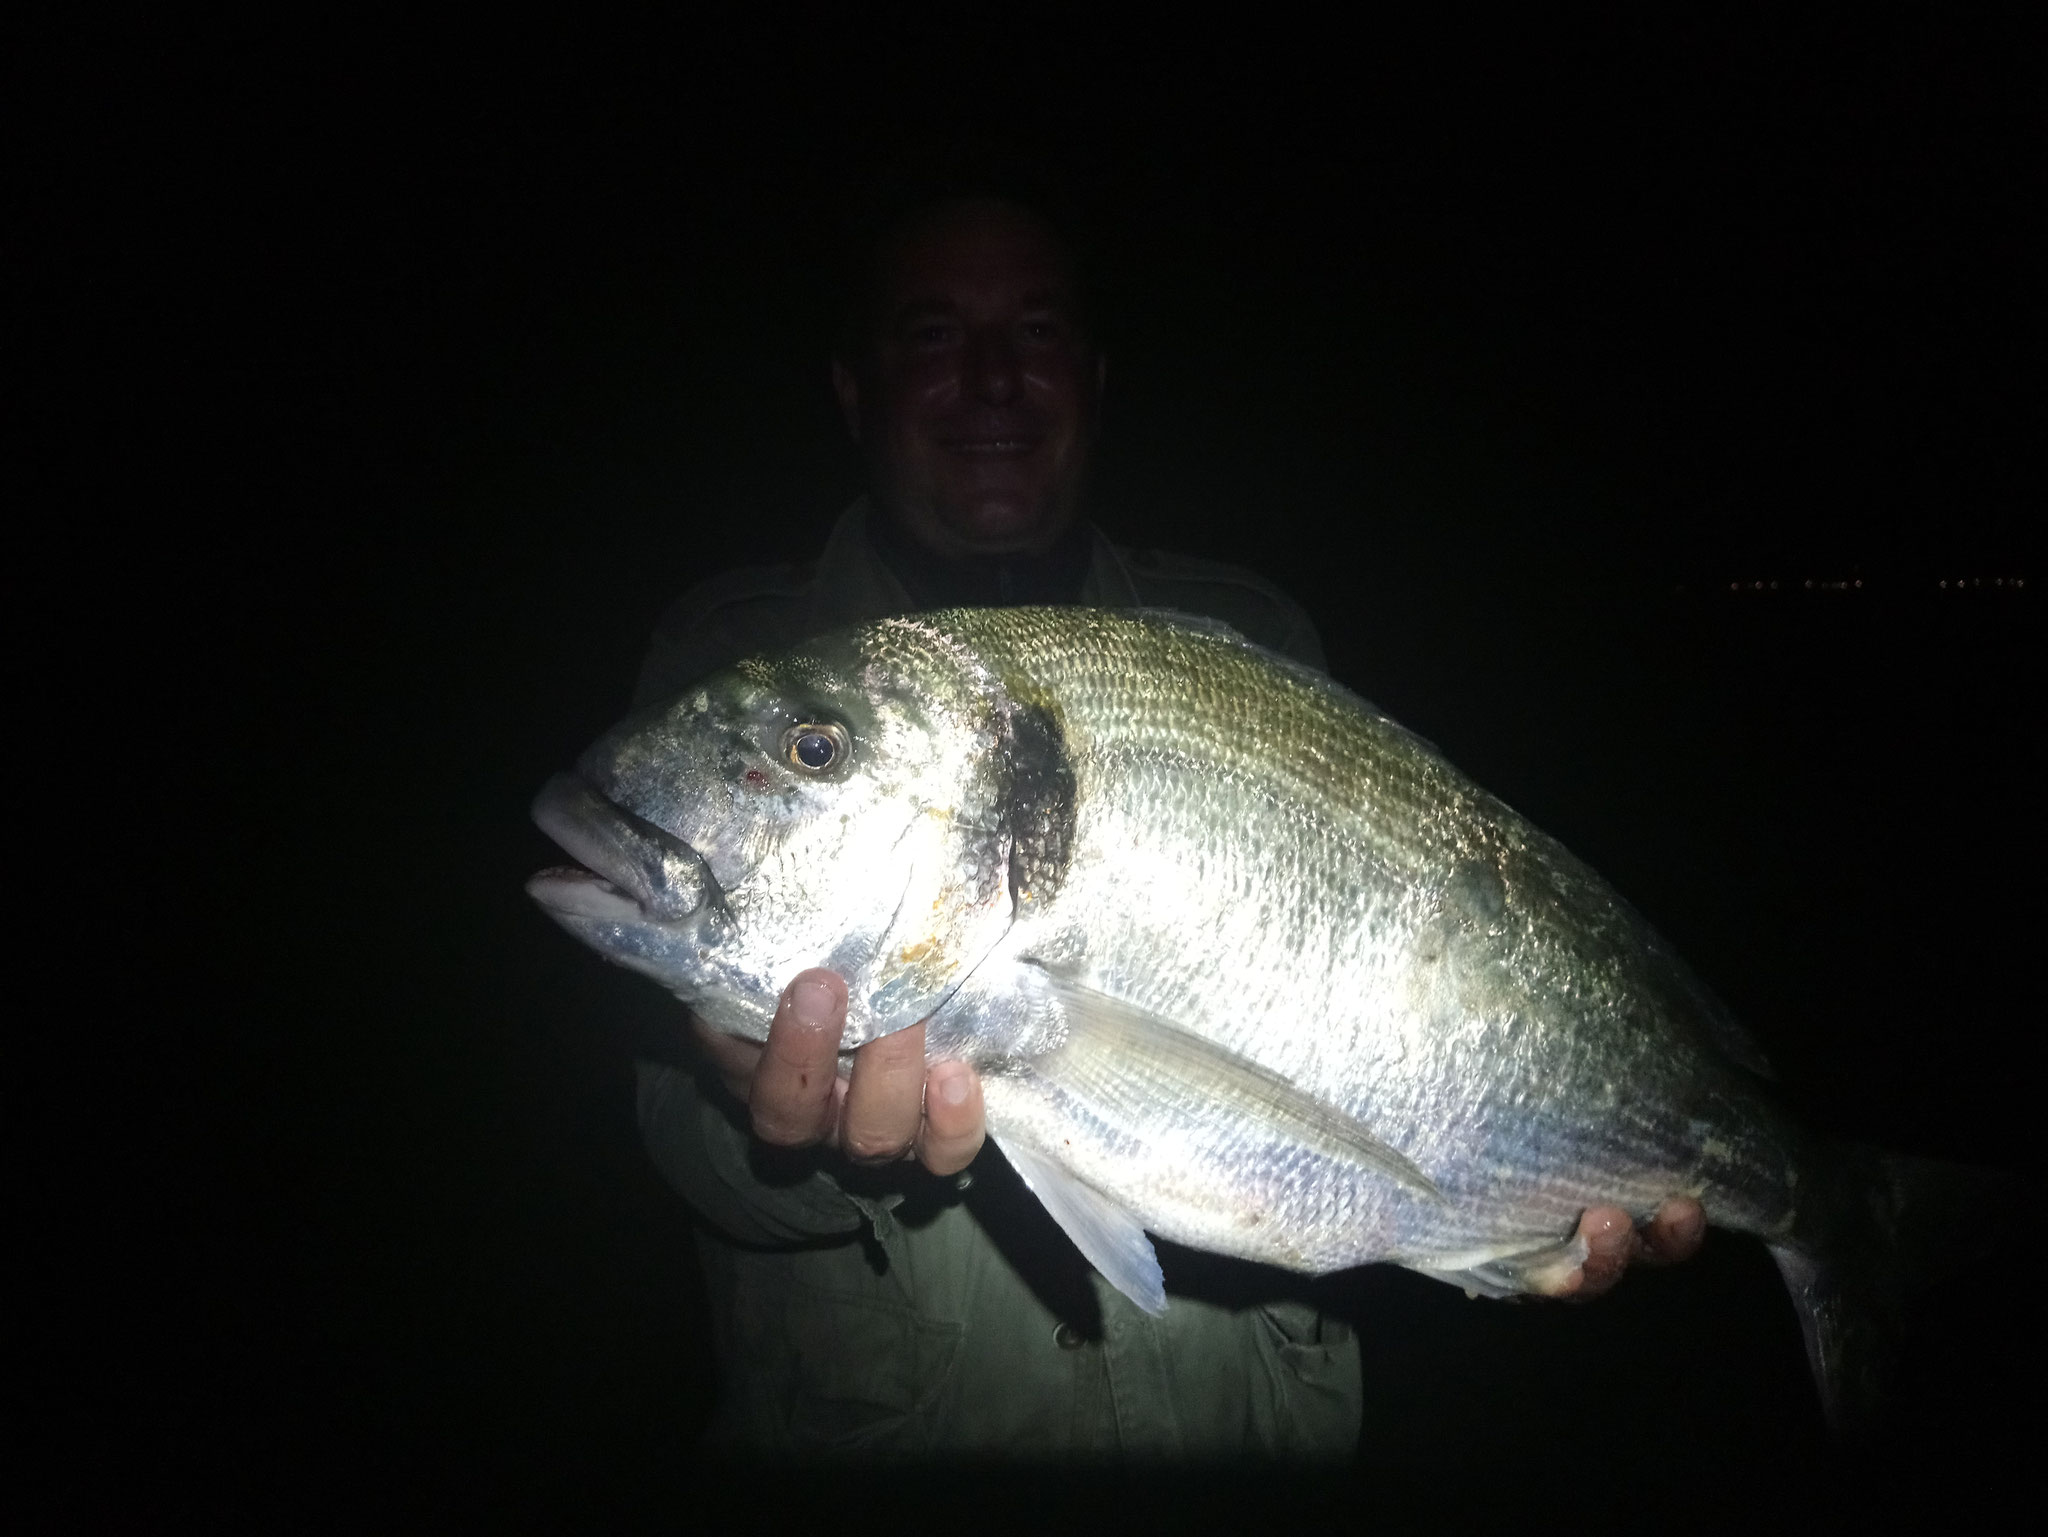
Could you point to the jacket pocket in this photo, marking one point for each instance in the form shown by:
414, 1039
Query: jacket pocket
863, 1373
1315, 1365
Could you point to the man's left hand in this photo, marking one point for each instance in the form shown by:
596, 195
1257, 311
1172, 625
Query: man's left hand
1614, 1242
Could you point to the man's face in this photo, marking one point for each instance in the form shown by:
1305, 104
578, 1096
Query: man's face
977, 396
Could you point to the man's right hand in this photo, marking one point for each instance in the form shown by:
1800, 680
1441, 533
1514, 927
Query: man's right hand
894, 1105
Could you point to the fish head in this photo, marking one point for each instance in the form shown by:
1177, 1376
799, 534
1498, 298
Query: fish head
840, 805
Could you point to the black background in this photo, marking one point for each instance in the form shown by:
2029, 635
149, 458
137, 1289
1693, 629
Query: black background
383, 387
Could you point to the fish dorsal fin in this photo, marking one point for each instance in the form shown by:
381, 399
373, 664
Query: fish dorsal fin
1108, 1237
1125, 1061
1201, 624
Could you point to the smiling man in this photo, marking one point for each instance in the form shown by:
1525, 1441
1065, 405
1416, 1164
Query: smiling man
977, 386
869, 1301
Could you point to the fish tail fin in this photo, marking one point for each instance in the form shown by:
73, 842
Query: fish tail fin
1882, 1228
1853, 1333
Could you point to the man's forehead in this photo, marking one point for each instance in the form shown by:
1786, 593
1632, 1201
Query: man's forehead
975, 255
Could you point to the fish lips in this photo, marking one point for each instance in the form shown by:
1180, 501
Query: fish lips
637, 873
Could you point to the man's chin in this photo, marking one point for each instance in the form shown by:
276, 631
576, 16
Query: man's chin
1002, 527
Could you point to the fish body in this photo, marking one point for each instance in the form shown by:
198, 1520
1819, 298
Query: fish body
1242, 962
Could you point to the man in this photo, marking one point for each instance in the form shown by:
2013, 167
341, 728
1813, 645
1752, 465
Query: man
865, 1303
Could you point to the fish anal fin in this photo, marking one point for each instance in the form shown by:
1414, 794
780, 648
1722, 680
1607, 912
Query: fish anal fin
1519, 1265
1108, 1237
1127, 1062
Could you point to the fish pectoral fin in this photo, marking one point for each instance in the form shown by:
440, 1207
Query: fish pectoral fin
1108, 1237
1127, 1062
1508, 1269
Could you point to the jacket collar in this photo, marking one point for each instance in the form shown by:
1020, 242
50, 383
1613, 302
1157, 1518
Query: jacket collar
859, 583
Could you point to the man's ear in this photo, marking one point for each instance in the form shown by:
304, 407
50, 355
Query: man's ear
846, 385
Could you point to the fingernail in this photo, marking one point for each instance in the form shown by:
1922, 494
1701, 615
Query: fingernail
811, 1002
952, 1085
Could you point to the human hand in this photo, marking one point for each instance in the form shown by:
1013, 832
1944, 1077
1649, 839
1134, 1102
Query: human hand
893, 1105
1614, 1242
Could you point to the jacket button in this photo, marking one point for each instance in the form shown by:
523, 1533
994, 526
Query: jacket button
1067, 1337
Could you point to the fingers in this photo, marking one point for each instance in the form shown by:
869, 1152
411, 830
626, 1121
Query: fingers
1675, 1232
883, 1111
885, 1099
1610, 1236
1613, 1242
954, 1128
895, 1104
792, 1098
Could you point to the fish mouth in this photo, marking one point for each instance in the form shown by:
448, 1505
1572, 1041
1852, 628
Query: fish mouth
631, 871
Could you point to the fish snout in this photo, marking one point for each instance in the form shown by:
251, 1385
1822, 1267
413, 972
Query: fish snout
635, 871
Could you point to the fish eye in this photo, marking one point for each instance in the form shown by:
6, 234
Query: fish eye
815, 747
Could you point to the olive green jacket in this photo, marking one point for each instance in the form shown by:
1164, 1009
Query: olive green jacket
893, 1314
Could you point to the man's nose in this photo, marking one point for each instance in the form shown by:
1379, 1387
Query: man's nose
993, 371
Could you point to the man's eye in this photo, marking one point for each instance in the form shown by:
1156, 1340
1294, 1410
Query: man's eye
935, 334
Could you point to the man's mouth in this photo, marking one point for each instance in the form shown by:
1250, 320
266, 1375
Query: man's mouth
993, 445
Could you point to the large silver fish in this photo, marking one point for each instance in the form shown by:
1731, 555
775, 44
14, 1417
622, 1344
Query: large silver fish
1242, 962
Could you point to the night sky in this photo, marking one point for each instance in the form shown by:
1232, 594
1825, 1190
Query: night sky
1650, 418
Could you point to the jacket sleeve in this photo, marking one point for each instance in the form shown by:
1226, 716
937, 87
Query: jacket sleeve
698, 1140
